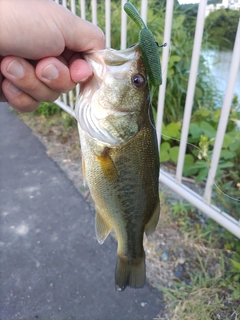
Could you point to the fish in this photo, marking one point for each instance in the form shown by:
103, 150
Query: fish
120, 158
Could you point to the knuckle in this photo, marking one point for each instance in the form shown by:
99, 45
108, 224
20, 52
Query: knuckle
62, 87
30, 84
23, 103
51, 98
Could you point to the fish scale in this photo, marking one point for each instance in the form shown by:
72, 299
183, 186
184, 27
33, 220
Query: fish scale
120, 157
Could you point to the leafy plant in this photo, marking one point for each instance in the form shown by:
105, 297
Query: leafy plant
221, 26
48, 109
67, 120
202, 133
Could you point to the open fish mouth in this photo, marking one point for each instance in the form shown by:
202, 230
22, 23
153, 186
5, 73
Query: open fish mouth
102, 97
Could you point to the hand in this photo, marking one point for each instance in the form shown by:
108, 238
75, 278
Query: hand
40, 51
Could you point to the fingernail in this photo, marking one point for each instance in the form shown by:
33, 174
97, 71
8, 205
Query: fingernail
86, 78
50, 72
16, 69
13, 89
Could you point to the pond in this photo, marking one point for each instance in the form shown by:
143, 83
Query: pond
219, 63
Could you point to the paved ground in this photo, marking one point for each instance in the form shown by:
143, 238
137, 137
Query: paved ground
51, 264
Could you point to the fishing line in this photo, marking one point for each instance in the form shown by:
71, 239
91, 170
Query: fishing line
204, 157
164, 69
207, 162
150, 108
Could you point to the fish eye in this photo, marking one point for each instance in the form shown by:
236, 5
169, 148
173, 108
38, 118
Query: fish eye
138, 81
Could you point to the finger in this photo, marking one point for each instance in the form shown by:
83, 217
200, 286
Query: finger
80, 35
56, 28
22, 75
2, 97
80, 70
18, 99
55, 74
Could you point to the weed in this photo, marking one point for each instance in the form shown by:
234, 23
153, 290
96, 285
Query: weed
212, 262
48, 109
68, 120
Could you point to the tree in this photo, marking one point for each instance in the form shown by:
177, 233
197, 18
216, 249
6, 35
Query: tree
221, 26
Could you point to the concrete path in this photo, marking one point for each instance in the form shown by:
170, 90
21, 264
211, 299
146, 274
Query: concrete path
51, 264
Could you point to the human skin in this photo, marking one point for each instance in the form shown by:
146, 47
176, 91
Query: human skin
40, 51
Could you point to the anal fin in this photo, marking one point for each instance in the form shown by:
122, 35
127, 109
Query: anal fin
102, 227
152, 223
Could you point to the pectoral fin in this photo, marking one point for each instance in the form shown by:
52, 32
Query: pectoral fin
102, 227
108, 166
152, 223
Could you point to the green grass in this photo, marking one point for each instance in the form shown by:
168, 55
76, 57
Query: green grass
213, 258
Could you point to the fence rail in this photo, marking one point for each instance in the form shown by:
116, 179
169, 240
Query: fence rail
175, 183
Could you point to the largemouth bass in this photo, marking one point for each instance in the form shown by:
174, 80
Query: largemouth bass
120, 156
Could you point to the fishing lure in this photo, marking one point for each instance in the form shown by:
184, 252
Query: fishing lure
148, 46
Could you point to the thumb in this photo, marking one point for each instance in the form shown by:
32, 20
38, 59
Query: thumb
80, 35
39, 29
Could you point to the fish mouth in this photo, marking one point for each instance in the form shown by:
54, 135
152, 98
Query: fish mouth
99, 108
121, 55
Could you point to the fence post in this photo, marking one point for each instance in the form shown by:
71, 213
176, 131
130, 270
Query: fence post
165, 57
108, 22
123, 27
191, 87
222, 125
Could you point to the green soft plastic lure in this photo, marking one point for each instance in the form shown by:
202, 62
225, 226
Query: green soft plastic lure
148, 46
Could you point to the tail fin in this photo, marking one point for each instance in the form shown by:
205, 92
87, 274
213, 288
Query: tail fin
130, 272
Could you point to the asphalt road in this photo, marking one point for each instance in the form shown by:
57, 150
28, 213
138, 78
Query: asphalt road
51, 264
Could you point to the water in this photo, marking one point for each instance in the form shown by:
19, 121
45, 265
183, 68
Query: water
219, 63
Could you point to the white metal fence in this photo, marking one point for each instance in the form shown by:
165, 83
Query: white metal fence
175, 183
